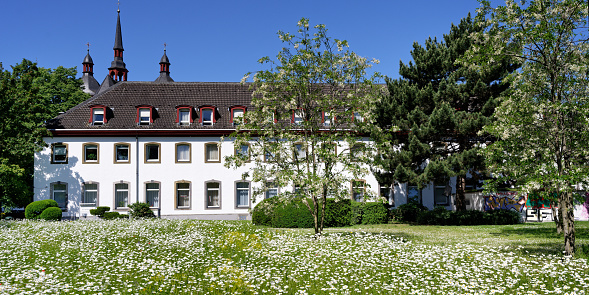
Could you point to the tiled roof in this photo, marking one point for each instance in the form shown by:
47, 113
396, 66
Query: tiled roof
123, 98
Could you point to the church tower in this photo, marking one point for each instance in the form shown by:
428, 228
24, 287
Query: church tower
90, 85
164, 70
117, 70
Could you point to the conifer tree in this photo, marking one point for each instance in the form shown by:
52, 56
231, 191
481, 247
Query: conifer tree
428, 125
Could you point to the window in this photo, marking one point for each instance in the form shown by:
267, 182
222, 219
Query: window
243, 152
326, 118
300, 152
357, 151
442, 194
213, 194
184, 115
98, 116
413, 193
59, 153
271, 190
152, 194
182, 195
212, 151
242, 194
387, 193
298, 116
183, 153
59, 194
207, 116
358, 117
358, 190
237, 115
270, 152
122, 153
90, 153
144, 115
89, 194
121, 195
328, 151
152, 153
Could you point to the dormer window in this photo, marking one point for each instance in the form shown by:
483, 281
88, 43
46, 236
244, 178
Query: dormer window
358, 117
97, 115
327, 118
184, 115
298, 116
237, 115
144, 115
207, 116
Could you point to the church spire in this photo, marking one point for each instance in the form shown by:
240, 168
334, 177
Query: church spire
117, 70
90, 85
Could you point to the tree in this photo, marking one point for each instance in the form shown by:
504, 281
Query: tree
541, 126
428, 125
29, 95
304, 127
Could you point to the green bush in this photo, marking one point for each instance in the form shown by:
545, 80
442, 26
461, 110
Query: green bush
293, 213
441, 216
111, 215
338, 213
140, 210
374, 213
262, 213
99, 211
51, 213
34, 209
502, 216
356, 214
407, 212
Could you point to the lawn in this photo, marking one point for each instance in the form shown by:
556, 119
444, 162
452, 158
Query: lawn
220, 257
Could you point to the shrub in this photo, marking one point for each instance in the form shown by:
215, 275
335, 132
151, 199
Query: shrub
502, 216
99, 211
51, 213
141, 210
407, 212
34, 209
441, 216
338, 213
356, 214
374, 213
262, 213
111, 215
293, 213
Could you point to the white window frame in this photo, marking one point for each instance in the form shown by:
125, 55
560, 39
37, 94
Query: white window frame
85, 191
356, 188
271, 186
186, 111
209, 160
65, 191
184, 189
142, 112
208, 122
208, 200
96, 112
147, 149
87, 146
119, 189
156, 203
238, 189
54, 147
122, 146
189, 159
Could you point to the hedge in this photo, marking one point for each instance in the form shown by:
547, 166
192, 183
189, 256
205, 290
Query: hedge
51, 213
34, 209
441, 216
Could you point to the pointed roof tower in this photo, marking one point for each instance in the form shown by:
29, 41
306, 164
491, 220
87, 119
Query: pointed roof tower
164, 69
117, 70
90, 85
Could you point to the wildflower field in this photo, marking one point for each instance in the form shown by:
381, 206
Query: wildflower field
221, 257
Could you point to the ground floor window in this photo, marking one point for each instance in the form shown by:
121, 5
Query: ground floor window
386, 192
89, 194
213, 194
152, 194
242, 194
442, 195
59, 194
183, 195
121, 195
358, 190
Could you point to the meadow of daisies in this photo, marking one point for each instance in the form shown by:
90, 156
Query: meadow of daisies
222, 257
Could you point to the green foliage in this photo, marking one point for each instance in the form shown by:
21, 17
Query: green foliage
51, 213
140, 210
356, 213
338, 213
99, 211
29, 96
313, 75
293, 213
34, 209
374, 213
114, 215
407, 212
441, 216
435, 112
262, 213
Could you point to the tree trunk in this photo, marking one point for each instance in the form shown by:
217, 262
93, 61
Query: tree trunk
557, 217
568, 220
460, 198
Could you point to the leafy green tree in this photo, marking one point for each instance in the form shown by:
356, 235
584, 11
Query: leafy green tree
429, 124
541, 124
29, 95
307, 111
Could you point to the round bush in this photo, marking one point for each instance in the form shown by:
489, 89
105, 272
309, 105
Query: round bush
51, 213
141, 210
34, 209
99, 211
293, 213
262, 213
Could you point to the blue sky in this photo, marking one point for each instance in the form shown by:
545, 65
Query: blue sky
212, 40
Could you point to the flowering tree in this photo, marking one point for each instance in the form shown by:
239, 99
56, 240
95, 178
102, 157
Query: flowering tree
304, 129
541, 126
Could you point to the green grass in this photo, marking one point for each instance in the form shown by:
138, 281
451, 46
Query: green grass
220, 257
